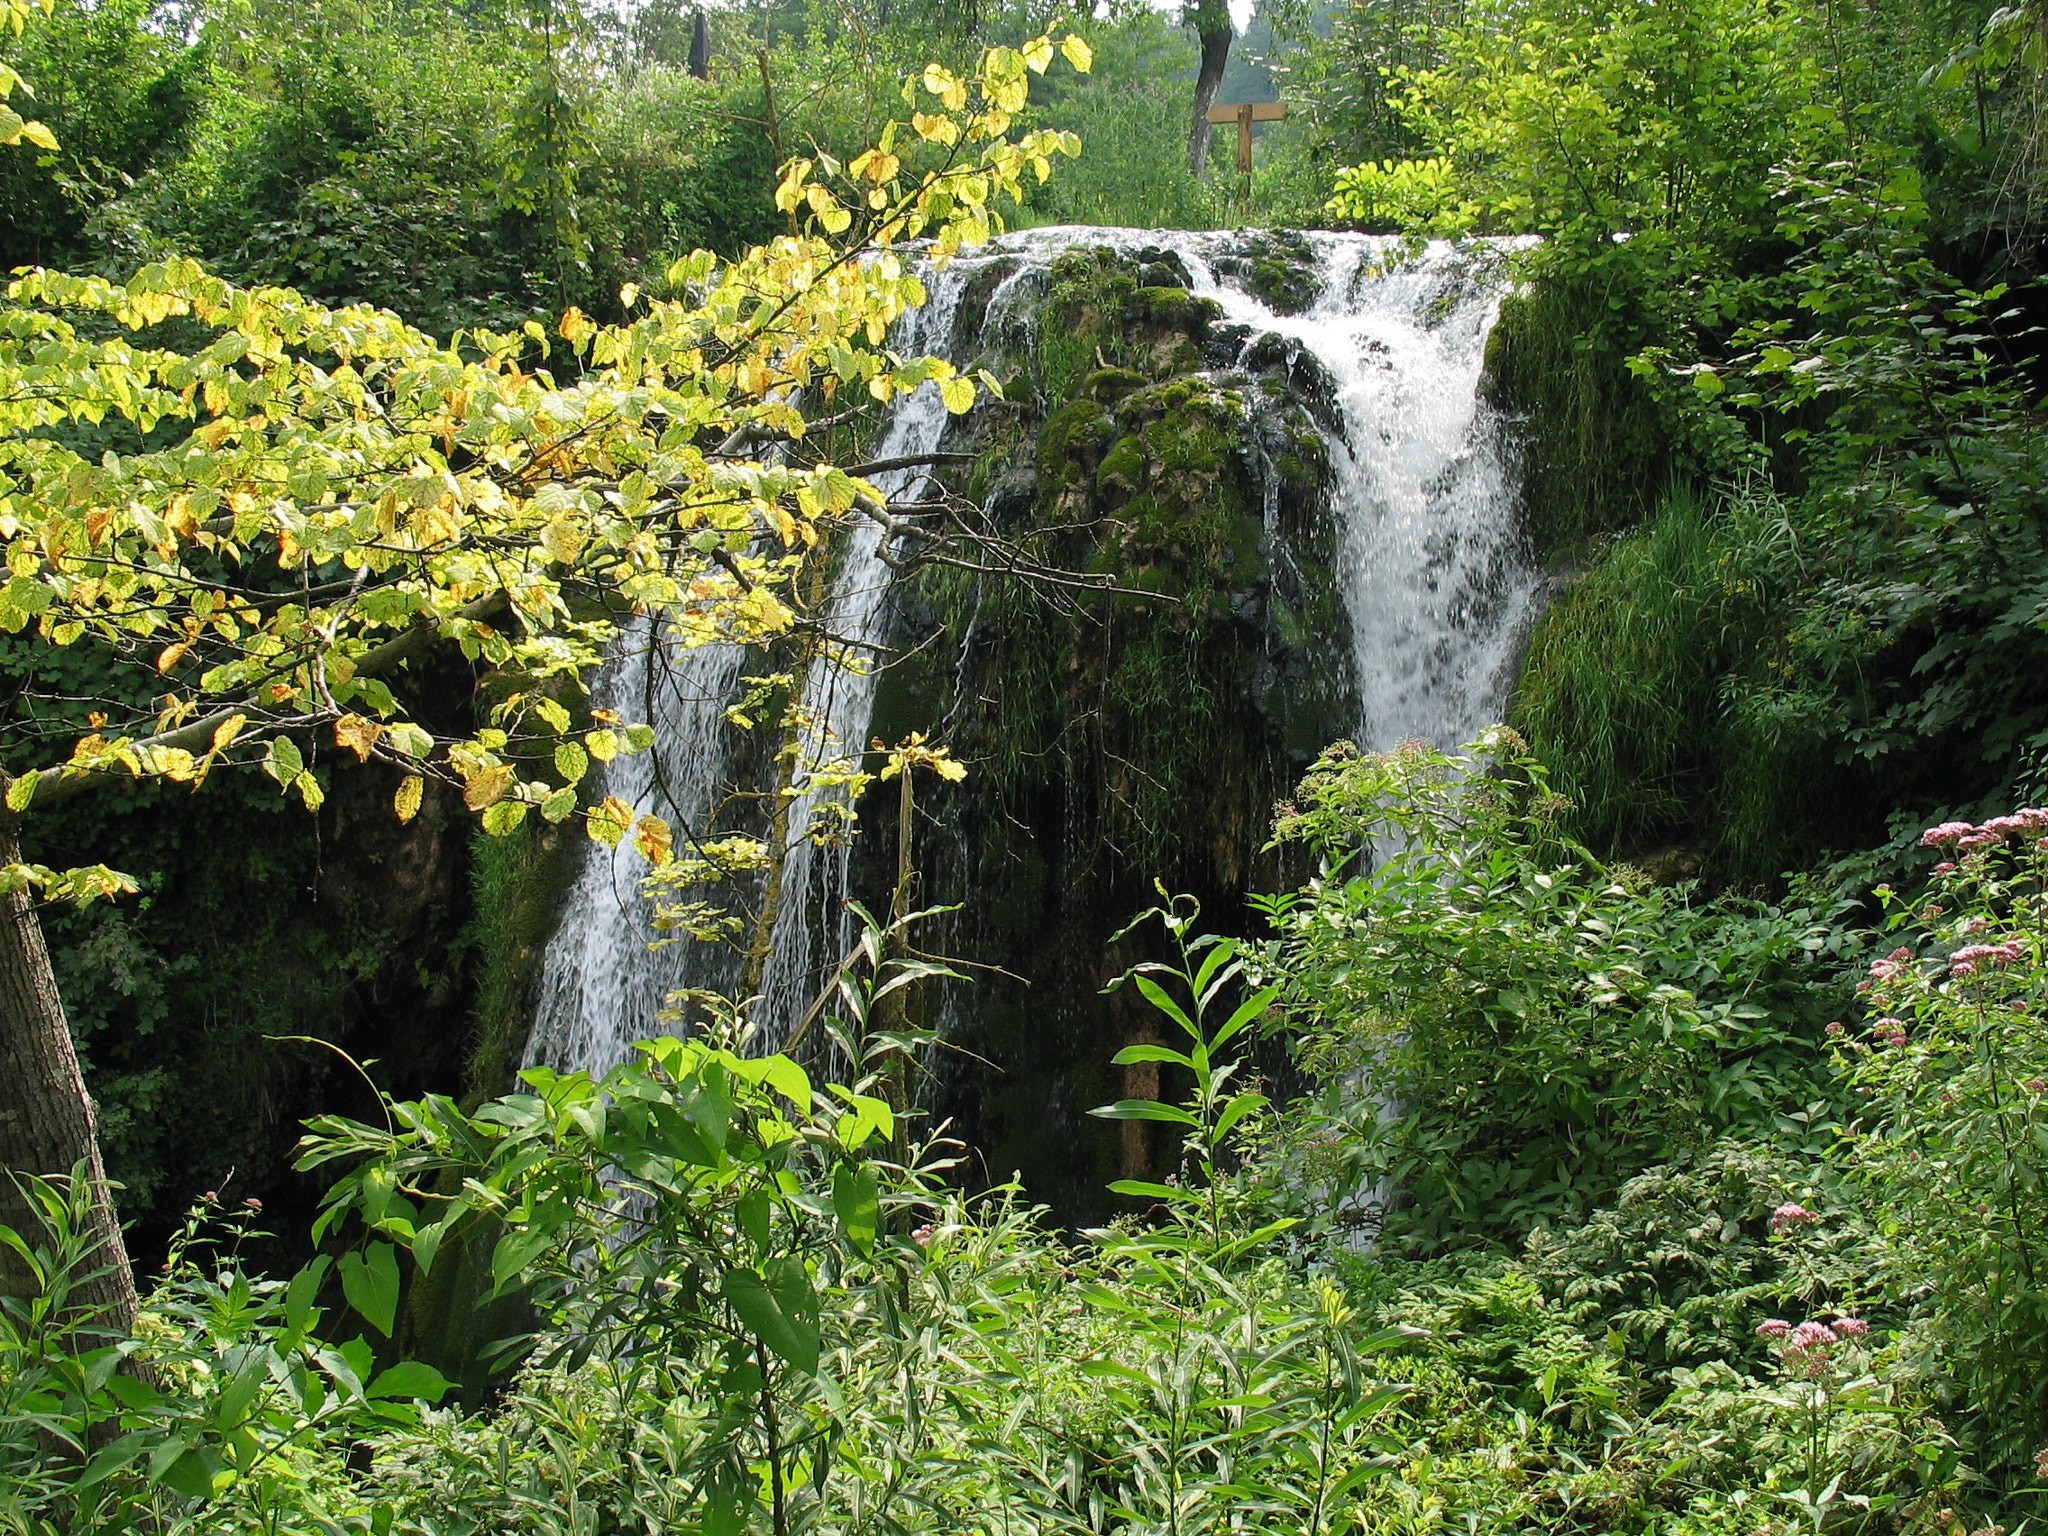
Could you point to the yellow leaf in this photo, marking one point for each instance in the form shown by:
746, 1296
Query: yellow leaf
485, 786
500, 819
225, 733
562, 540
1078, 53
958, 394
653, 838
609, 820
171, 655
357, 734
411, 791
1038, 54
38, 135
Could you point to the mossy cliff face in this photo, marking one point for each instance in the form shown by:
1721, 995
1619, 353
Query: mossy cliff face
1120, 736
1594, 452
258, 923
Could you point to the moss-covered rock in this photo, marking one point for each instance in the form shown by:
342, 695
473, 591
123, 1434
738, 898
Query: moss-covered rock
1278, 267
1165, 328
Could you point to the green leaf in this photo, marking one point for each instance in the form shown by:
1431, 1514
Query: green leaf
856, 1200
1157, 996
787, 1079
21, 791
114, 1458
233, 1403
370, 1282
191, 1474
753, 1214
1236, 1110
763, 1316
1144, 1191
282, 760
1241, 1019
1131, 1053
1144, 1109
410, 1378
303, 1291
516, 1250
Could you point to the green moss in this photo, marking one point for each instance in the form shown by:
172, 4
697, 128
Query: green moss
1652, 693
516, 884
1077, 332
1594, 453
1109, 385
1279, 268
1069, 446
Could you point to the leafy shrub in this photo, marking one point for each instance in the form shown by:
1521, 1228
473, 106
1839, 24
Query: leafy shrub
1952, 1064
1506, 1029
226, 1386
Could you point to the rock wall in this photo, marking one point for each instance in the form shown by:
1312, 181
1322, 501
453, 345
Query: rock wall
1118, 738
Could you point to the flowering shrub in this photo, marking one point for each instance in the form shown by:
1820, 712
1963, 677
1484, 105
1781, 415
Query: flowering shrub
1951, 1063
1830, 1438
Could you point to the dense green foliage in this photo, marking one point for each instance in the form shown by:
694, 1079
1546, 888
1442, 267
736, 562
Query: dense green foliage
762, 1304
1787, 271
1631, 1183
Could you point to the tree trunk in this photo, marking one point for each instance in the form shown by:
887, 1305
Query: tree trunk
1212, 25
46, 1119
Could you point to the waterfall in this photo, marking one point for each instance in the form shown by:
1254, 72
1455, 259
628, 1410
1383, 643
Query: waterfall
601, 982
1434, 578
1434, 585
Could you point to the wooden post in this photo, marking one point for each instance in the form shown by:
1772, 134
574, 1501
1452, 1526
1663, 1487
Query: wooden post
1244, 114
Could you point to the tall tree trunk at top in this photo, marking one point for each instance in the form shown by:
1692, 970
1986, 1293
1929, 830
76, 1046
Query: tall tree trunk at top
46, 1118
1212, 24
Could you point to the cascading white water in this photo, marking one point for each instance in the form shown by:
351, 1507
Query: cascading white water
1431, 568
1429, 565
601, 981
814, 878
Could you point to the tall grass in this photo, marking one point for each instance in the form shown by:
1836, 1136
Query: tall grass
1656, 690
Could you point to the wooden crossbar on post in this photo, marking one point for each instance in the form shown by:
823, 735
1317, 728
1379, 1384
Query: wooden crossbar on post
1244, 114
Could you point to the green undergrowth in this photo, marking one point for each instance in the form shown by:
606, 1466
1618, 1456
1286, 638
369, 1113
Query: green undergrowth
1652, 689
517, 884
1655, 1249
1592, 445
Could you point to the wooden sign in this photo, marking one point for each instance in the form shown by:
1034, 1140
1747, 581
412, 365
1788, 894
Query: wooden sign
1244, 114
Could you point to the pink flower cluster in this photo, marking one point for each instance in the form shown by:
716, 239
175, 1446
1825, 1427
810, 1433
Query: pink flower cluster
1965, 961
1967, 837
1789, 1215
1891, 1031
1804, 1346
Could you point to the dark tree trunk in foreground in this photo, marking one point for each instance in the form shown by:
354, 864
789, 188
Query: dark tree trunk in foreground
1212, 25
46, 1119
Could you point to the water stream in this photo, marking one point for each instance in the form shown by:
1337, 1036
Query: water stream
1429, 565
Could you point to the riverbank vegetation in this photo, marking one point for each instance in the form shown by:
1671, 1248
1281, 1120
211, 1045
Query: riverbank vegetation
1634, 1124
